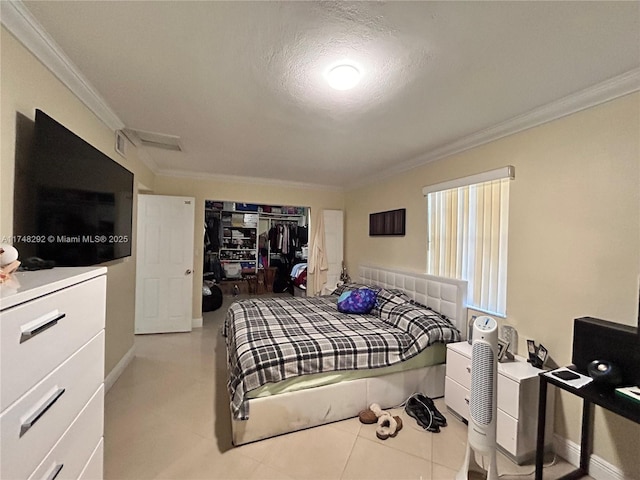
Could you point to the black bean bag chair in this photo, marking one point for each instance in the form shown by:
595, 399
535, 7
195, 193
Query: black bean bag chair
214, 301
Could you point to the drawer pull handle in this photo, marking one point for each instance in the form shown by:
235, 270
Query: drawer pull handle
469, 368
24, 428
41, 327
55, 472
466, 399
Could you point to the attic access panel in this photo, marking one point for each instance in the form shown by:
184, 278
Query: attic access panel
389, 223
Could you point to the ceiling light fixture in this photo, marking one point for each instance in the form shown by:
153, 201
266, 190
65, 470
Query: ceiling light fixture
343, 77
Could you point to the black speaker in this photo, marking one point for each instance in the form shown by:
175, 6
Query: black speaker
601, 340
605, 373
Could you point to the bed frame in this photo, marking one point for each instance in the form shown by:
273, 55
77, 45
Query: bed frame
288, 412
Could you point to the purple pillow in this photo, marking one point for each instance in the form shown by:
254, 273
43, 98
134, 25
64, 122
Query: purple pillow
361, 300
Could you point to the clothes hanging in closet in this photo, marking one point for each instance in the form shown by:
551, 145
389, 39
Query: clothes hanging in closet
287, 238
213, 233
207, 240
302, 234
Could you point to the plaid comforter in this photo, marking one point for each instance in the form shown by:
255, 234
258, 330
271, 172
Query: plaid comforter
272, 339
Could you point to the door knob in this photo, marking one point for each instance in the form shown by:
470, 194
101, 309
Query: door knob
188, 272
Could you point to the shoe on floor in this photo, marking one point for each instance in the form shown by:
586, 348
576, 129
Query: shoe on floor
388, 426
429, 403
422, 415
367, 417
371, 414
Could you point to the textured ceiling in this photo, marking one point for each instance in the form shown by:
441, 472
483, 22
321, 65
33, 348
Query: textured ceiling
242, 82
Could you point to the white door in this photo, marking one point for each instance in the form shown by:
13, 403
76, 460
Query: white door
334, 246
164, 265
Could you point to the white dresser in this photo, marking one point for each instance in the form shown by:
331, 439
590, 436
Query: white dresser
517, 414
52, 371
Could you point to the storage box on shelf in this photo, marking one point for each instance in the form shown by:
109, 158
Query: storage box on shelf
517, 400
52, 369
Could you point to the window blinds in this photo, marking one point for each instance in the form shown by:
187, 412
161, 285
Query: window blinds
468, 239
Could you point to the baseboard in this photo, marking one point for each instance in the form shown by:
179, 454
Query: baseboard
599, 468
116, 371
196, 322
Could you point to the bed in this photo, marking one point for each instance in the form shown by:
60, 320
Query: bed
385, 358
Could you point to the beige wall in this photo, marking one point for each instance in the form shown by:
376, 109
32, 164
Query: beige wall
26, 85
211, 189
574, 237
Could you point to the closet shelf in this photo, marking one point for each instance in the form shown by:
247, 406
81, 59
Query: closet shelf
281, 215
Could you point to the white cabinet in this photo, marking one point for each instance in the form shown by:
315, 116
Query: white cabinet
52, 368
517, 400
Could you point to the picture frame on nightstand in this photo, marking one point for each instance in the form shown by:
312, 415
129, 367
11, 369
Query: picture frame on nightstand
542, 355
503, 346
510, 335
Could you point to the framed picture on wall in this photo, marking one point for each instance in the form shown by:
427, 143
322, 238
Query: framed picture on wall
389, 223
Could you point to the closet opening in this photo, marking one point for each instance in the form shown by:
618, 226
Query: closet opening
255, 249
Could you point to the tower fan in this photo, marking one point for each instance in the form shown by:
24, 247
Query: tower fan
481, 438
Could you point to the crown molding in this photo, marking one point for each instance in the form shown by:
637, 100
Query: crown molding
249, 180
18, 20
619, 86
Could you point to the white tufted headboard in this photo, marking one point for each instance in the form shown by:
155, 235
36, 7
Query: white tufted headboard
447, 296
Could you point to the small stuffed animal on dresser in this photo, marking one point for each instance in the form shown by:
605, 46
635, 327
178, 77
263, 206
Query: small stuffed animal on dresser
8, 262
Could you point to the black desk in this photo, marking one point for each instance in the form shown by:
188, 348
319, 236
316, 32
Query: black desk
591, 395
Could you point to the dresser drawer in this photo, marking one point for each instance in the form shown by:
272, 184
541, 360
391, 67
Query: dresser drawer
456, 397
33, 424
508, 396
94, 469
70, 455
507, 433
34, 343
459, 368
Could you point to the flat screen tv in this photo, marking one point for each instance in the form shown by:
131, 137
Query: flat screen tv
81, 201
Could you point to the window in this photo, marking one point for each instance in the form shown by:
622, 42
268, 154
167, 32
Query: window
467, 223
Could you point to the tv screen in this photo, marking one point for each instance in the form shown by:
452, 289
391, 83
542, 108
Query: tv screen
82, 200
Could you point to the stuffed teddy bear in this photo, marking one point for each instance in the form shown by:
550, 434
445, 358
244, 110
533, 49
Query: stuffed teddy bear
8, 262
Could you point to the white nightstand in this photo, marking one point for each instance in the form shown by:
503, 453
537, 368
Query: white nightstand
518, 385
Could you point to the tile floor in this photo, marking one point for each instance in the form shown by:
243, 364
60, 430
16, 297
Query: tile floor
167, 417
